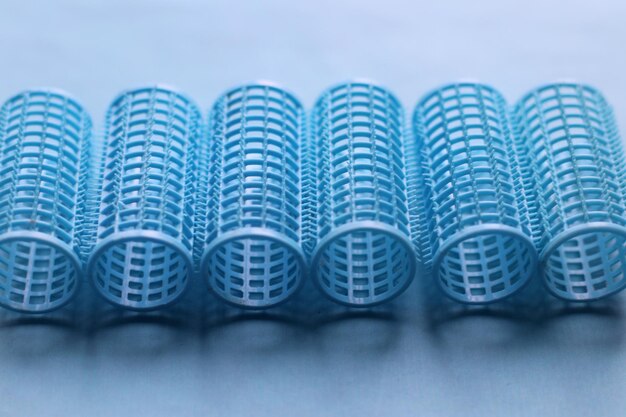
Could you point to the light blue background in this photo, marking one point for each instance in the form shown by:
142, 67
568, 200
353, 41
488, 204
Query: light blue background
401, 360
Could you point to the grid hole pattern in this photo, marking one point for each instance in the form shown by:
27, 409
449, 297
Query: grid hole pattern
486, 268
44, 138
478, 218
141, 271
144, 240
364, 255
578, 170
253, 257
364, 266
256, 270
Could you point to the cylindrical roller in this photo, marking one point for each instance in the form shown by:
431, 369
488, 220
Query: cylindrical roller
44, 146
363, 252
142, 246
253, 256
478, 218
578, 170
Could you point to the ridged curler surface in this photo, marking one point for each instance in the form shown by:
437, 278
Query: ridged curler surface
44, 146
578, 171
478, 218
363, 253
141, 256
253, 256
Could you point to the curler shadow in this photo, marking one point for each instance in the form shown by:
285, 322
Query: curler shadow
228, 329
339, 329
599, 324
311, 322
528, 319
123, 333
34, 338
503, 325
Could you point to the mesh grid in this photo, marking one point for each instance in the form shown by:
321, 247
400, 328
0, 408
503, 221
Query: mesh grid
363, 252
477, 219
253, 257
44, 138
578, 166
142, 254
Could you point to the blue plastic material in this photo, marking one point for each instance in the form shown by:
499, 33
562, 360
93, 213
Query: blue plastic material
477, 214
363, 250
578, 169
141, 257
253, 256
44, 146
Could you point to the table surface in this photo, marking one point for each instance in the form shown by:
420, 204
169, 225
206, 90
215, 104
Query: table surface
419, 356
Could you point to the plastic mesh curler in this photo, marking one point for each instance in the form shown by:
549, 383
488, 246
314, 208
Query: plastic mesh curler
253, 256
143, 243
478, 220
44, 139
363, 251
578, 165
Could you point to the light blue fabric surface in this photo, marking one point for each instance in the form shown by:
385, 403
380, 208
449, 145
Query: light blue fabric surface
400, 360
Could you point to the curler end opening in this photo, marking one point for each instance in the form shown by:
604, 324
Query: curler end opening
363, 264
140, 270
586, 262
485, 264
254, 268
38, 272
